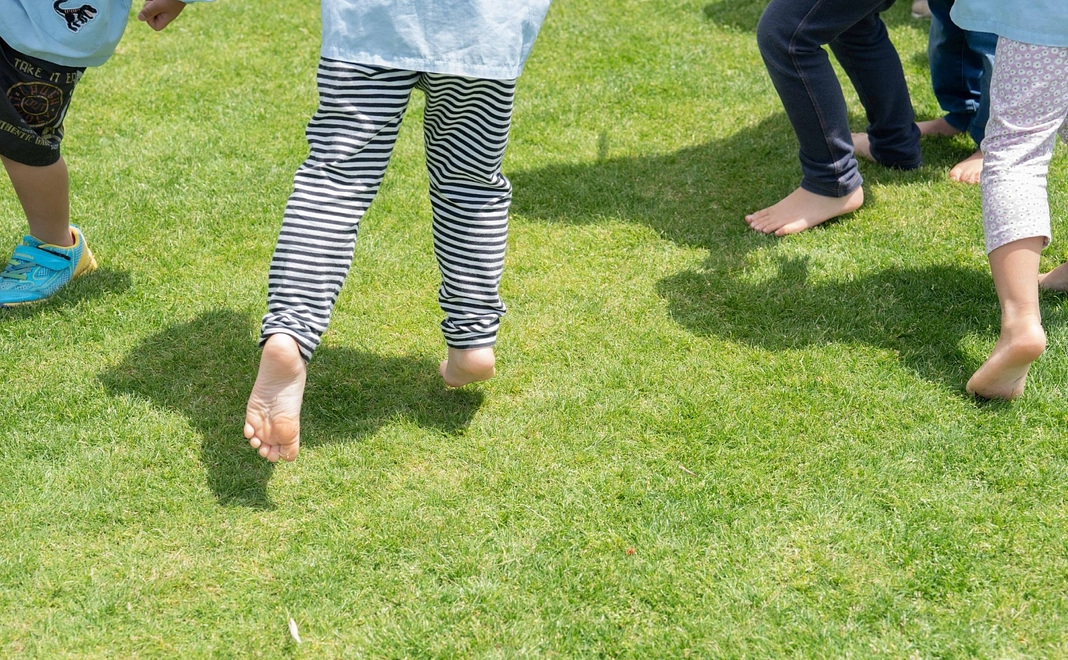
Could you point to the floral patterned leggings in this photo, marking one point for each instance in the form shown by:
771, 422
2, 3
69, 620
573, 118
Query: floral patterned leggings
1028, 106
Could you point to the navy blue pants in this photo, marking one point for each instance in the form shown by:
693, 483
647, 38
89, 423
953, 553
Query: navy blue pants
962, 62
791, 36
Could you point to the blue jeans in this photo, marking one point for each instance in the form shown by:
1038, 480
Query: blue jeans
791, 36
962, 62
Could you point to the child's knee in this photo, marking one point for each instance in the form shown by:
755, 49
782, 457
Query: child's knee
772, 35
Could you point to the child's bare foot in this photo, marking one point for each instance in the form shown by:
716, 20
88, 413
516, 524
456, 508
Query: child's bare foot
465, 366
969, 170
801, 210
1004, 374
937, 127
1055, 280
862, 146
272, 419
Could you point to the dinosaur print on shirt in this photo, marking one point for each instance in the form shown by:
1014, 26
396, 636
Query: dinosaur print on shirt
76, 18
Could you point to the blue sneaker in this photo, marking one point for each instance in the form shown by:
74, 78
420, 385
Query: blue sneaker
38, 269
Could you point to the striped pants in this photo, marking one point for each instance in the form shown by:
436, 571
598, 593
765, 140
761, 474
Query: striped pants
1028, 106
351, 137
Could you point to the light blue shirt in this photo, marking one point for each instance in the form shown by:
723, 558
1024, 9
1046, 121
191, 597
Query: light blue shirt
67, 32
472, 38
1040, 22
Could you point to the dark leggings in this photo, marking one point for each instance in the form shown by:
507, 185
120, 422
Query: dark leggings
791, 36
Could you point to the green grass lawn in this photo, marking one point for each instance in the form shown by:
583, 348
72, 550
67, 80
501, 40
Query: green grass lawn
702, 441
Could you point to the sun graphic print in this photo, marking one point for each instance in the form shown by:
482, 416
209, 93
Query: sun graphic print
39, 103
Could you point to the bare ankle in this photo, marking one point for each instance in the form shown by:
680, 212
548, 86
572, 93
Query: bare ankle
465, 366
1026, 340
281, 345
936, 127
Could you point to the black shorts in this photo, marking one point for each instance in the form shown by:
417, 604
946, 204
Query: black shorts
34, 102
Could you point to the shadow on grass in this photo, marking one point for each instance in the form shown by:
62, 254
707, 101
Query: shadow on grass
921, 314
205, 368
698, 197
95, 285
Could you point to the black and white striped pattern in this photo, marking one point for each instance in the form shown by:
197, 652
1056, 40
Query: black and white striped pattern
351, 136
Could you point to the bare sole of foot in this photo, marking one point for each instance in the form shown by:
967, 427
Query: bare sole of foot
1004, 374
801, 210
969, 170
468, 366
1055, 280
937, 127
272, 418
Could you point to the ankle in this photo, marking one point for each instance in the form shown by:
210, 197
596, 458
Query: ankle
281, 348
1025, 337
61, 238
473, 360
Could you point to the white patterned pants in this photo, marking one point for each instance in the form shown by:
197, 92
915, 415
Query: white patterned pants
351, 137
1028, 106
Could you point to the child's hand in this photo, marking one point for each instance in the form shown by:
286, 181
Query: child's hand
159, 13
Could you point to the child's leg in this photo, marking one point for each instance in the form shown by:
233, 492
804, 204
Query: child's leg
791, 35
946, 46
961, 65
1029, 102
351, 138
1015, 270
979, 65
34, 98
44, 193
1057, 279
466, 131
54, 253
873, 66
955, 89
981, 47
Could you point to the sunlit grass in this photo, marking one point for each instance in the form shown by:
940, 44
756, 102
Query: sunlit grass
701, 441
